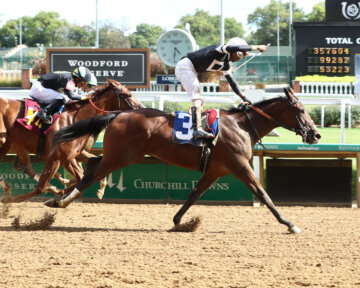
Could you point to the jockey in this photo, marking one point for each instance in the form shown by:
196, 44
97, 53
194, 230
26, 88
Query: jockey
55, 89
211, 58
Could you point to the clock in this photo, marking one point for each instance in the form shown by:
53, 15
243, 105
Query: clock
173, 45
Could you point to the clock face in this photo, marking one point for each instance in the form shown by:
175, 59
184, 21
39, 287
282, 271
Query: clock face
173, 45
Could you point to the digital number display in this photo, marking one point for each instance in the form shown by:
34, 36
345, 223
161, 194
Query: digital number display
328, 60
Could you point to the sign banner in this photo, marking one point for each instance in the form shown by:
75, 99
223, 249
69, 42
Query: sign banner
167, 182
167, 80
130, 67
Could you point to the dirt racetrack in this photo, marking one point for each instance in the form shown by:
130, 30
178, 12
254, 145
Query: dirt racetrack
118, 245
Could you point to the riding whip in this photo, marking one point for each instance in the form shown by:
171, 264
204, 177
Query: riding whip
253, 56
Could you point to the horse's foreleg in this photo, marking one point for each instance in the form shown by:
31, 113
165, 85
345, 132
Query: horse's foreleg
64, 181
75, 169
2, 131
85, 156
248, 177
199, 189
101, 191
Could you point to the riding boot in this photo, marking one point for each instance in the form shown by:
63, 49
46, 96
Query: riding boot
196, 118
45, 114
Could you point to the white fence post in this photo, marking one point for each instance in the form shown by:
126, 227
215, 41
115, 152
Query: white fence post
342, 121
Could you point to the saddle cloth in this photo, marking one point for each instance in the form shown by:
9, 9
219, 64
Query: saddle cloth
183, 131
30, 121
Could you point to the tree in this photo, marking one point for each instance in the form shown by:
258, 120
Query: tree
265, 20
146, 35
112, 37
206, 28
318, 13
44, 28
8, 33
81, 36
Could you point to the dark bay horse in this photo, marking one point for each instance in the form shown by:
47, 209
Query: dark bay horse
132, 134
112, 96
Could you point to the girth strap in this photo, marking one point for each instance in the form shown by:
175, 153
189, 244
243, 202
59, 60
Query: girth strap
205, 157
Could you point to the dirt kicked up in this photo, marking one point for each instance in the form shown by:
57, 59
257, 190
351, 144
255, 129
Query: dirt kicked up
116, 245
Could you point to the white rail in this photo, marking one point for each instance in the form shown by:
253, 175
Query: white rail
10, 75
327, 88
205, 87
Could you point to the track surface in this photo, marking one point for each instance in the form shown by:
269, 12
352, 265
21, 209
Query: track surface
116, 245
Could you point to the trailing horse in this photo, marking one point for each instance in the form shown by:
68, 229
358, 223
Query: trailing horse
113, 96
130, 135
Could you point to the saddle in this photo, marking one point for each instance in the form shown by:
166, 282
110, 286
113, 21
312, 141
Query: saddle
30, 121
183, 131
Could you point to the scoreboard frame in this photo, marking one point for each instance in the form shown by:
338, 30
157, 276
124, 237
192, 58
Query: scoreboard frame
326, 48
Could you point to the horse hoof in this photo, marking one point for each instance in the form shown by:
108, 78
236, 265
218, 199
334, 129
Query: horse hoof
100, 194
52, 203
294, 229
5, 200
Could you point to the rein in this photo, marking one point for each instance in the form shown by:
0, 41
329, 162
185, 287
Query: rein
267, 116
298, 131
119, 94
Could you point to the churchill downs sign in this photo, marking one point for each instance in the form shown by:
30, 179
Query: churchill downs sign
130, 67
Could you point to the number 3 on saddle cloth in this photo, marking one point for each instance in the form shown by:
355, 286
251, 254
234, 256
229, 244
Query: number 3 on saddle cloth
183, 131
33, 123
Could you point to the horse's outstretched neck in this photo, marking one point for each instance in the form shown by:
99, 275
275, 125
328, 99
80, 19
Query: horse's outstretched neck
90, 126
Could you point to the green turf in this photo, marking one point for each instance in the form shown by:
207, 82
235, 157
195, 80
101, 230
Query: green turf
328, 136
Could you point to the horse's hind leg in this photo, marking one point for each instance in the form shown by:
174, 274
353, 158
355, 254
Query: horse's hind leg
200, 188
4, 149
248, 177
96, 169
48, 172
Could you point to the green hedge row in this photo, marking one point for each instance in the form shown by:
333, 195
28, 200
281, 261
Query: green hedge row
15, 83
332, 115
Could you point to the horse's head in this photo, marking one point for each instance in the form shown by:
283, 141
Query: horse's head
302, 121
116, 96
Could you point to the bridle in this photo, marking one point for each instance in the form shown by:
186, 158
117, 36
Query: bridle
303, 129
120, 95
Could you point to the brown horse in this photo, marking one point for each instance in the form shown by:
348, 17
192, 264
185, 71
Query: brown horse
132, 134
113, 96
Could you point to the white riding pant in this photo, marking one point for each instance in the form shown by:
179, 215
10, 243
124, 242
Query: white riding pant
45, 95
187, 75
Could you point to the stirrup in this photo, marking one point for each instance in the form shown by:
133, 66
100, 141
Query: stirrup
45, 118
202, 134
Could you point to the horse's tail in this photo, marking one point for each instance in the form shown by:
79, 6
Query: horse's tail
90, 126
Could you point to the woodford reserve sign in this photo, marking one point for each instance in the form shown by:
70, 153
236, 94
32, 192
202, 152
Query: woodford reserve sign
131, 67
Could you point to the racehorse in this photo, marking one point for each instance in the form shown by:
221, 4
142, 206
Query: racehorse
112, 96
132, 134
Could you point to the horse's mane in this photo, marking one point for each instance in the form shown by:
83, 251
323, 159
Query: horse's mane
109, 84
257, 104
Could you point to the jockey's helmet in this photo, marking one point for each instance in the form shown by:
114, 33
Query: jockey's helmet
82, 73
93, 80
237, 41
